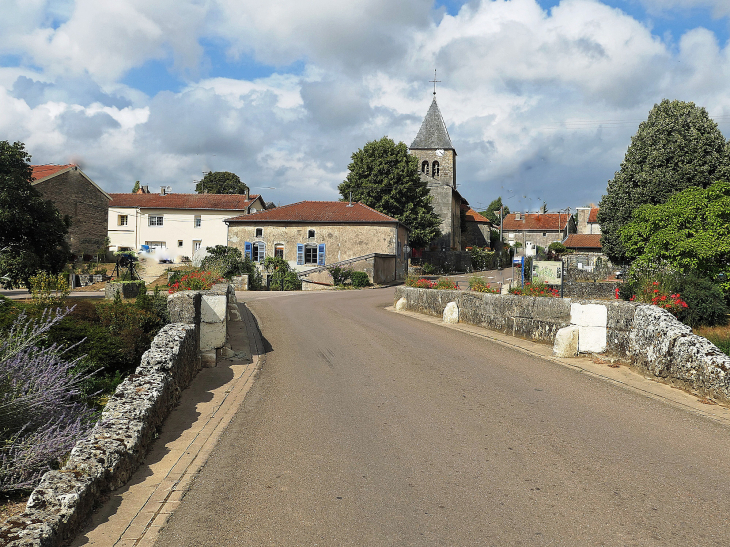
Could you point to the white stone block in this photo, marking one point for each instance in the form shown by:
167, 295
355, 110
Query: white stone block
589, 315
212, 336
566, 342
208, 359
213, 308
592, 339
451, 313
402, 304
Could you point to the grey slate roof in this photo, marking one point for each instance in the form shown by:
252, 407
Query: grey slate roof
433, 132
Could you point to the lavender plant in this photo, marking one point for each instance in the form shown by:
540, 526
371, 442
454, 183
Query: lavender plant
41, 415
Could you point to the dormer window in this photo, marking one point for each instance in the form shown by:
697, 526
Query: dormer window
436, 169
310, 234
424, 168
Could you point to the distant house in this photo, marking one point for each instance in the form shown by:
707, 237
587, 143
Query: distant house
76, 195
584, 243
178, 223
315, 235
588, 221
537, 229
476, 229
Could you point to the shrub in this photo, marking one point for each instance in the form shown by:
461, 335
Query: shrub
419, 283
359, 279
340, 275
228, 262
199, 280
429, 269
482, 259
557, 247
445, 284
535, 289
282, 277
49, 290
705, 303
41, 416
479, 284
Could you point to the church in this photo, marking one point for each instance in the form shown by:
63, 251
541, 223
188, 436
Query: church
437, 164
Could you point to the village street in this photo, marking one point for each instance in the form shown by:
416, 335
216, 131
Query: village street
367, 427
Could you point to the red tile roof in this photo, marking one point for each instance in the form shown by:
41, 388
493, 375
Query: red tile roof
536, 221
43, 171
336, 212
472, 215
583, 241
224, 202
593, 215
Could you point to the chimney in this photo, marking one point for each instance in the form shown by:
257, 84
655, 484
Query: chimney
162, 190
248, 193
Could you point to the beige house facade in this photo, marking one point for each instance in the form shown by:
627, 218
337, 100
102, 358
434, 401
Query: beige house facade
174, 226
588, 221
313, 236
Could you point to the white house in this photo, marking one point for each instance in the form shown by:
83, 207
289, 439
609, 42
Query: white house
179, 223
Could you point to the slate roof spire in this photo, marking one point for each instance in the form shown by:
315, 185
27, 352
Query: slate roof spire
433, 132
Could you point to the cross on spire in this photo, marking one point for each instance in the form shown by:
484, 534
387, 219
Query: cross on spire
434, 81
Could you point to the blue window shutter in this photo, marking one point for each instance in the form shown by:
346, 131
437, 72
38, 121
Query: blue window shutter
247, 249
320, 255
262, 251
300, 254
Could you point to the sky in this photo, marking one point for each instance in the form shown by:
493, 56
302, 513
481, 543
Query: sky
540, 97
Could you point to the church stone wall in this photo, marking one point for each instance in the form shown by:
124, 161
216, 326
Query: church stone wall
447, 165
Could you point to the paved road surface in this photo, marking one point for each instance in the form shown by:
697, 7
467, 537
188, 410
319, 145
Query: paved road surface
367, 427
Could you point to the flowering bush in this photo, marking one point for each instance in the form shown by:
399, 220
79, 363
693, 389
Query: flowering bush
535, 289
656, 293
41, 415
49, 290
443, 284
195, 281
479, 284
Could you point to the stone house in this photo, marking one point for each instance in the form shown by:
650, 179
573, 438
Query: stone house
76, 195
315, 235
534, 230
476, 229
174, 226
437, 163
588, 221
584, 243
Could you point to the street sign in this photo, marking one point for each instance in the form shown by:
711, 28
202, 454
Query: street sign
548, 272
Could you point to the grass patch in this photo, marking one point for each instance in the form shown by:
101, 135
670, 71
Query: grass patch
720, 336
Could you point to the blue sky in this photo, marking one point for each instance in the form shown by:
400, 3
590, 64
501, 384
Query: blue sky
541, 97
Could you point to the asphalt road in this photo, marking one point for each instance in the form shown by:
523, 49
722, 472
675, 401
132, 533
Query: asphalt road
366, 427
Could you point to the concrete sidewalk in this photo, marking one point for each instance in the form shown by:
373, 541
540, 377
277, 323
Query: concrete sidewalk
134, 514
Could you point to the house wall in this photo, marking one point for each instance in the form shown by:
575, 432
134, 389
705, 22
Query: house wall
476, 235
448, 208
84, 203
585, 227
178, 225
342, 241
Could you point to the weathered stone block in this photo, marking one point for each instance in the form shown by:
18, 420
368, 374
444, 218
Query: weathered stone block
566, 342
184, 307
589, 315
591, 339
213, 308
212, 336
402, 304
451, 313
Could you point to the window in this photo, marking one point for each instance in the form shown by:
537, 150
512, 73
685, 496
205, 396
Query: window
310, 234
122, 220
179, 242
155, 220
544, 234
279, 250
259, 251
436, 169
197, 222
424, 168
310, 254
259, 232
196, 245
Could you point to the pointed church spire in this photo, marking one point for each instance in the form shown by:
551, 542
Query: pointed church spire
433, 132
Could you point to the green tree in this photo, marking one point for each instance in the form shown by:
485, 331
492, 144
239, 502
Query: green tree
690, 231
384, 176
32, 231
492, 211
135, 188
677, 147
221, 182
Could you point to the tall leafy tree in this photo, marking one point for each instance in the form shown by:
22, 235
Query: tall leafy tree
677, 147
690, 231
492, 211
384, 176
221, 182
32, 231
135, 188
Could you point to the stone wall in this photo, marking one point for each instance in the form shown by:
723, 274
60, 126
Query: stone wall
448, 261
73, 195
115, 448
644, 336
